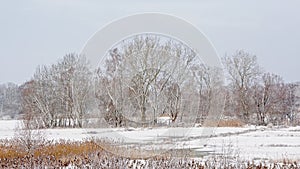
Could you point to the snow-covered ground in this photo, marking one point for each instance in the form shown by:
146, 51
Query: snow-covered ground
246, 142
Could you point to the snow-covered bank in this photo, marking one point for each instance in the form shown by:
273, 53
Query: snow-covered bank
246, 142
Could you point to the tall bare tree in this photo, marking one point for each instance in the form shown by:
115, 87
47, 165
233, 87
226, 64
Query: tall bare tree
270, 99
292, 102
74, 79
243, 70
206, 79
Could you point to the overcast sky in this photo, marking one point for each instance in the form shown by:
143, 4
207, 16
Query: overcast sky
38, 32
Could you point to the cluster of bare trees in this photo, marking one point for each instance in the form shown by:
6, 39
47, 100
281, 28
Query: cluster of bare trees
257, 96
144, 78
10, 100
58, 95
148, 76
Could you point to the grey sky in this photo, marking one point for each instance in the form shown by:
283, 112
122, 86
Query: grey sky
37, 32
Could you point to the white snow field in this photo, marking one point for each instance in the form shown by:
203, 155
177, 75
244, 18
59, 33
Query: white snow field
251, 142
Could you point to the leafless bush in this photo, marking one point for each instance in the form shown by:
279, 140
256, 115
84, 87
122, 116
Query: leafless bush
27, 138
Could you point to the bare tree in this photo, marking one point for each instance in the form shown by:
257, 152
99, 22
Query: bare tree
38, 99
243, 70
269, 98
292, 101
206, 79
173, 97
107, 94
74, 79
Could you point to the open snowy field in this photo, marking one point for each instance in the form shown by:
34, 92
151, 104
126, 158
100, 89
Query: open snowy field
246, 142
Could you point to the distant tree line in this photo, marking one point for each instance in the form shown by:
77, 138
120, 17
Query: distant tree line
10, 101
146, 77
256, 96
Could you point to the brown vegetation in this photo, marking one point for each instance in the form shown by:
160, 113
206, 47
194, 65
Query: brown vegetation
88, 154
224, 123
58, 154
231, 123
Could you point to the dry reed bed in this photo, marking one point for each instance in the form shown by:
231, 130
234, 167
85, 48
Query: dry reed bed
94, 154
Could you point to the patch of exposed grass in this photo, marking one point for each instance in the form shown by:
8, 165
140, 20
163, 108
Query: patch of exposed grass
224, 123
